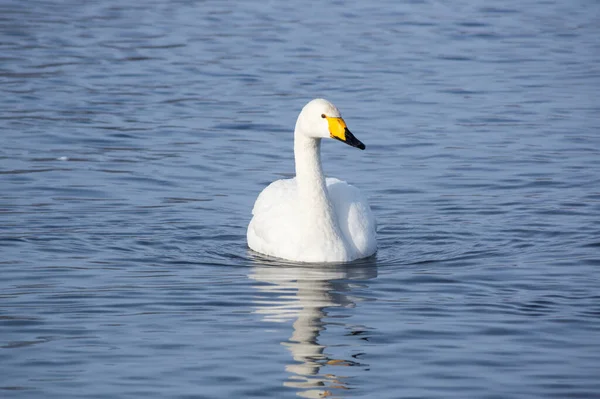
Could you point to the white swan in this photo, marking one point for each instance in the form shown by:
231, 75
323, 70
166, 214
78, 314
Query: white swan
310, 218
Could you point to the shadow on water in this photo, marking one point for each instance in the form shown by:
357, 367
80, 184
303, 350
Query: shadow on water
305, 294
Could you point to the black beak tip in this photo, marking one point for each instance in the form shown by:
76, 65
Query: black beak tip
353, 141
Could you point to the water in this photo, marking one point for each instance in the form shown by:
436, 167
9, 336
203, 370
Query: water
135, 139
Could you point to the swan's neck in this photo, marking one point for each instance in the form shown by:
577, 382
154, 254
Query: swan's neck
312, 188
309, 171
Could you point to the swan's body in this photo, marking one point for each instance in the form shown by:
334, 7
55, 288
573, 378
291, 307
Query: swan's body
310, 218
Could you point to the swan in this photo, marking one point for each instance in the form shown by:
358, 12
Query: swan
310, 218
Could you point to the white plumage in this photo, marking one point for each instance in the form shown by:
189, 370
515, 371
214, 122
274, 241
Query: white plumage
310, 218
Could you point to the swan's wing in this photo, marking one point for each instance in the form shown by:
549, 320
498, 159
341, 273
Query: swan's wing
272, 227
277, 193
354, 215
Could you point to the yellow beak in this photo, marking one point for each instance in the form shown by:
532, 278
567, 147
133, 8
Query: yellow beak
339, 131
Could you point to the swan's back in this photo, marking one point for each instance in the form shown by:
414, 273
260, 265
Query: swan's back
274, 228
354, 217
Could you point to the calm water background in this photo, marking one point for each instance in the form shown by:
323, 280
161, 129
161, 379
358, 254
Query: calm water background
135, 138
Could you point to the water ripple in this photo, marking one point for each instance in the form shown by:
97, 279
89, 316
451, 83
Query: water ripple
135, 139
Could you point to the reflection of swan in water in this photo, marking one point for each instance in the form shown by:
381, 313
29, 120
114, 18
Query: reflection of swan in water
317, 287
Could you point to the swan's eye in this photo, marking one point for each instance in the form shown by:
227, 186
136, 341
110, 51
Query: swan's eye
323, 116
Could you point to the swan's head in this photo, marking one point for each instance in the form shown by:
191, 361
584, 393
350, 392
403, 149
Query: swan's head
321, 119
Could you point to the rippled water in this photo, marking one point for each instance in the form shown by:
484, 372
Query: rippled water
135, 139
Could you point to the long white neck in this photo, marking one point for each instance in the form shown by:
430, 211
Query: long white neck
309, 171
312, 189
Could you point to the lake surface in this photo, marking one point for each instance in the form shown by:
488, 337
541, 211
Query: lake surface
136, 137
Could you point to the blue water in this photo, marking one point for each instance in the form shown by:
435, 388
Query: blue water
134, 139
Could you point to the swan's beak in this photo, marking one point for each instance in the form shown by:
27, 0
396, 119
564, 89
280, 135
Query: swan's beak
339, 131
